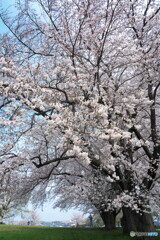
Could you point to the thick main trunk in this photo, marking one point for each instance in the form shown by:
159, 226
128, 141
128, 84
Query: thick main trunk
144, 223
109, 219
128, 220
140, 223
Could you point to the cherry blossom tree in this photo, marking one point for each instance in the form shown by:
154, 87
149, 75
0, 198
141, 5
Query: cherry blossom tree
85, 75
78, 218
86, 189
92, 193
9, 203
33, 218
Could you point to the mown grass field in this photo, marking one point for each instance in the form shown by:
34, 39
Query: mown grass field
10, 232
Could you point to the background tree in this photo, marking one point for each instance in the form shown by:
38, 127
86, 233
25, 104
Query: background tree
9, 202
78, 219
33, 218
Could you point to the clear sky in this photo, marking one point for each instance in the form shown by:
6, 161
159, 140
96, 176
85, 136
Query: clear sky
2, 27
6, 4
48, 213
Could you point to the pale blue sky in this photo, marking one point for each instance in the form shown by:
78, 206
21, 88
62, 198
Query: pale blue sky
4, 4
48, 213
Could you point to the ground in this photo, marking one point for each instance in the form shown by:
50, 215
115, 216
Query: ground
11, 232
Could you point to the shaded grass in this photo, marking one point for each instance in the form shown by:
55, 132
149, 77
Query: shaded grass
10, 232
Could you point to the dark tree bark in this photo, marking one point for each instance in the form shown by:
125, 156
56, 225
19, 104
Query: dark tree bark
128, 220
138, 222
144, 223
109, 219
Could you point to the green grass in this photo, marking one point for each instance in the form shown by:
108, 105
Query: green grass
10, 232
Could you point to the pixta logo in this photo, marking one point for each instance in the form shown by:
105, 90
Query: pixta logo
140, 234
132, 234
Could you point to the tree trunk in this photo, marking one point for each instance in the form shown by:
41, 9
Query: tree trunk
144, 223
109, 219
128, 220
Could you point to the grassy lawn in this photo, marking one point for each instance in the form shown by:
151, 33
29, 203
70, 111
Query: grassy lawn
10, 232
